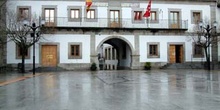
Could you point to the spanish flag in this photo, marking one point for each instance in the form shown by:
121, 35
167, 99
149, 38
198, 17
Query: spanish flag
88, 5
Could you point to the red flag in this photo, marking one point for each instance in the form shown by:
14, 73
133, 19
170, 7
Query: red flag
147, 13
88, 5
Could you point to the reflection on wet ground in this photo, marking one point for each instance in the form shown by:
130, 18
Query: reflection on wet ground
115, 90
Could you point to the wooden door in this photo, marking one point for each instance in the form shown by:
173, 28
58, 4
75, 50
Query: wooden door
49, 55
172, 54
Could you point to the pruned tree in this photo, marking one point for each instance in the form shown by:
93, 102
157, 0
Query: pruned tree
21, 35
206, 37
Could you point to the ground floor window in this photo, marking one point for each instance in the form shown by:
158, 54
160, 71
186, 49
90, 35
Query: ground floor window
19, 53
153, 50
75, 51
198, 51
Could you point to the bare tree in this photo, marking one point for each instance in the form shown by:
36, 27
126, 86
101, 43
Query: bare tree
206, 37
21, 35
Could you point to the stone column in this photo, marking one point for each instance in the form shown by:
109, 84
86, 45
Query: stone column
135, 57
93, 56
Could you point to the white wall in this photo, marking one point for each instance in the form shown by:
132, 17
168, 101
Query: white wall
36, 7
63, 40
163, 43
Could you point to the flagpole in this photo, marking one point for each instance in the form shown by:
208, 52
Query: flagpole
147, 13
147, 22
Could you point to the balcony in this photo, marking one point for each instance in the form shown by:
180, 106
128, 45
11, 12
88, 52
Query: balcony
124, 23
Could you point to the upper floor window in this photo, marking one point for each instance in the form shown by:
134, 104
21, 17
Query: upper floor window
74, 13
174, 18
90, 14
138, 15
153, 15
196, 17
24, 13
49, 14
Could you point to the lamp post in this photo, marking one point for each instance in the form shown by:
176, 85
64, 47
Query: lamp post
207, 30
33, 28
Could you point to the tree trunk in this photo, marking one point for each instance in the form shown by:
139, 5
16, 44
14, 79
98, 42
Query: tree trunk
207, 65
23, 50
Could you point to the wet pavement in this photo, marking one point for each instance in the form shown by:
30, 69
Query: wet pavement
113, 90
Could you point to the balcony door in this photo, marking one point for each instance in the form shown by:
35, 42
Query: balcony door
49, 16
114, 18
174, 19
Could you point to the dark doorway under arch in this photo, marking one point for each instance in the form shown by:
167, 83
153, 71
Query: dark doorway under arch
116, 54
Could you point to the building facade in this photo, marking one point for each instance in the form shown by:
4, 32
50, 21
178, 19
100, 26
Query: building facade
79, 36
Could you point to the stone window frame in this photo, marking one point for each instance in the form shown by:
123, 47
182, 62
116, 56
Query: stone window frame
50, 7
132, 15
157, 15
180, 16
18, 12
148, 50
69, 8
18, 51
69, 50
109, 15
197, 55
95, 19
196, 11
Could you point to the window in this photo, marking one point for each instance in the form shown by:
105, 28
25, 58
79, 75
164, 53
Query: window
153, 50
90, 14
196, 17
114, 18
198, 51
174, 18
19, 53
153, 16
49, 14
74, 13
75, 50
23, 13
138, 15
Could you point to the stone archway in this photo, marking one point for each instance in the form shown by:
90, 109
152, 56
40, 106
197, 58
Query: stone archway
124, 51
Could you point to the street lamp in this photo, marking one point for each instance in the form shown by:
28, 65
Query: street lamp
207, 29
33, 28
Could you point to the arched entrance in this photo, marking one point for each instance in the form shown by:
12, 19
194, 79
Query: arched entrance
115, 53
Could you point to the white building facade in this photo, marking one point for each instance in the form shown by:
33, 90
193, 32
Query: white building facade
78, 36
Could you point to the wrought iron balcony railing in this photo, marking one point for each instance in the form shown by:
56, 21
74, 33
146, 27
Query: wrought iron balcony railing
117, 23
